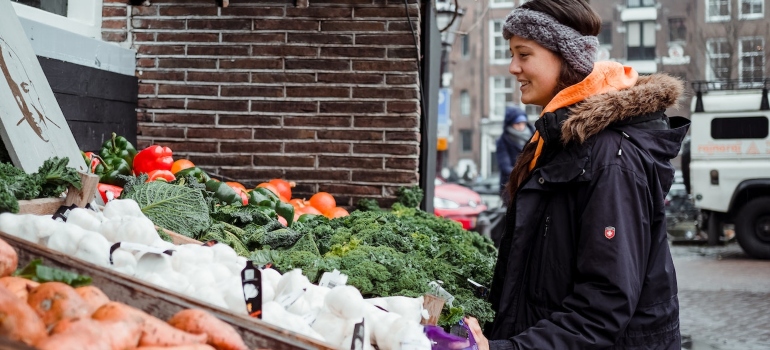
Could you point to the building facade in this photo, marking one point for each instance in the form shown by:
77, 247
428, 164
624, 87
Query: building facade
692, 39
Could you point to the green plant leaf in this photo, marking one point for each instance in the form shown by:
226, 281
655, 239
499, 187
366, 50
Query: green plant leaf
40, 273
177, 208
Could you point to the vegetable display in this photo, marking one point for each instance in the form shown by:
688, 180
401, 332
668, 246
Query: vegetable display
51, 180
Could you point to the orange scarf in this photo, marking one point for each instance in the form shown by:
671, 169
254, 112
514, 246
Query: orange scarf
605, 77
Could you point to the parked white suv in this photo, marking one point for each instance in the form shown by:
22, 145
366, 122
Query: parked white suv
729, 166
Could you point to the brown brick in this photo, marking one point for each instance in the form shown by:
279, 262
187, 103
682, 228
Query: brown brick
285, 24
250, 90
250, 147
351, 107
350, 135
352, 26
219, 50
114, 12
161, 103
403, 106
250, 63
180, 63
317, 121
146, 62
284, 161
316, 64
186, 37
114, 24
250, 177
386, 122
350, 78
388, 93
283, 51
160, 75
218, 105
260, 120
146, 89
384, 39
401, 163
254, 37
229, 77
160, 49
379, 12
319, 12
206, 90
268, 78
188, 11
402, 53
114, 36
384, 176
402, 136
143, 143
315, 39
317, 91
144, 117
185, 146
403, 26
219, 24
385, 148
252, 11
221, 159
283, 134
376, 52
144, 10
145, 130
140, 37
284, 106
219, 133
362, 190
157, 24
316, 147
186, 118
407, 66
349, 162
332, 175
400, 79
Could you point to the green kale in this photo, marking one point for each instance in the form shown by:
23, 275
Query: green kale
8, 202
243, 215
368, 204
228, 234
280, 238
22, 186
55, 177
410, 196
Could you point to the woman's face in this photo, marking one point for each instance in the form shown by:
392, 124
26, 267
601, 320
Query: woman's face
536, 68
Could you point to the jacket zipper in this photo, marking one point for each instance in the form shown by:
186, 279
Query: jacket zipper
543, 248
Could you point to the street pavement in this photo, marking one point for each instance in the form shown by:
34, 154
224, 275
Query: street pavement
724, 298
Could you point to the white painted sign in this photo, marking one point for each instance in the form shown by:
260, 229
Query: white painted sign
33, 127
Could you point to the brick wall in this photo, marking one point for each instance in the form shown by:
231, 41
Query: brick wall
326, 95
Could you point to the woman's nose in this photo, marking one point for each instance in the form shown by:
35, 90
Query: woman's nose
514, 68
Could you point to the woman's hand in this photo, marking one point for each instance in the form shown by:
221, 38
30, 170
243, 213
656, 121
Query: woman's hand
478, 334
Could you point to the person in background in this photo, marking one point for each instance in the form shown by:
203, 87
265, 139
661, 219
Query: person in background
584, 262
516, 133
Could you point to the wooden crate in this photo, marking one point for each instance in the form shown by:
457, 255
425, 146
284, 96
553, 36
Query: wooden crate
162, 303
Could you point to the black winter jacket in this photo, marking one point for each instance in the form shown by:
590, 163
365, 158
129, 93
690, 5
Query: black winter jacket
584, 262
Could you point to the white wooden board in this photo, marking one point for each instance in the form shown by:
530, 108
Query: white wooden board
32, 127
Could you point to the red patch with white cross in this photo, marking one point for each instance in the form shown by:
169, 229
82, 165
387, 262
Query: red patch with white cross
609, 232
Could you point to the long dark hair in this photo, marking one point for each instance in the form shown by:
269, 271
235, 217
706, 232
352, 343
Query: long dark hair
581, 17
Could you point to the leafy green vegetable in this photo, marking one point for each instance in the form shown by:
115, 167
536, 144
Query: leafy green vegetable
410, 197
368, 204
177, 208
38, 272
51, 180
55, 177
228, 234
244, 215
8, 202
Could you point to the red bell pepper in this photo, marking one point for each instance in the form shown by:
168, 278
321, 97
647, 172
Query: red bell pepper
109, 192
92, 160
153, 158
163, 175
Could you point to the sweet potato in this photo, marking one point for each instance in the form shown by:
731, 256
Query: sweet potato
18, 286
54, 301
8, 259
93, 296
180, 347
119, 335
18, 321
221, 335
155, 332
76, 334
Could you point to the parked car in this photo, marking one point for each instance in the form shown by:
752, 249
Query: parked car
457, 203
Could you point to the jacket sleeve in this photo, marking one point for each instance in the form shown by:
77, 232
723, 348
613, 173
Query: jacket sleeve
503, 157
612, 249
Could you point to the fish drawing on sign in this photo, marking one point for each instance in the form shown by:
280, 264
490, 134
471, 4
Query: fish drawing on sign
24, 92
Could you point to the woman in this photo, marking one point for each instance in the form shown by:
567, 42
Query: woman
584, 262
516, 133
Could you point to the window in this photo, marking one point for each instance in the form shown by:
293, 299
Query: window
641, 3
718, 56
752, 8
465, 103
58, 7
501, 95
677, 30
641, 40
494, 166
501, 51
466, 140
501, 3
717, 10
532, 110
605, 36
752, 63
739, 128
465, 46
83, 17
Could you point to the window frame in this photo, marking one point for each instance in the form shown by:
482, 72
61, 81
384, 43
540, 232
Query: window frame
641, 3
671, 29
494, 91
643, 50
710, 72
718, 18
465, 46
605, 29
742, 15
741, 55
756, 131
465, 103
503, 3
84, 17
463, 133
493, 46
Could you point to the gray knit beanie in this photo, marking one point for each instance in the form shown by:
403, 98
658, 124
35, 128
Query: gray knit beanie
579, 51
